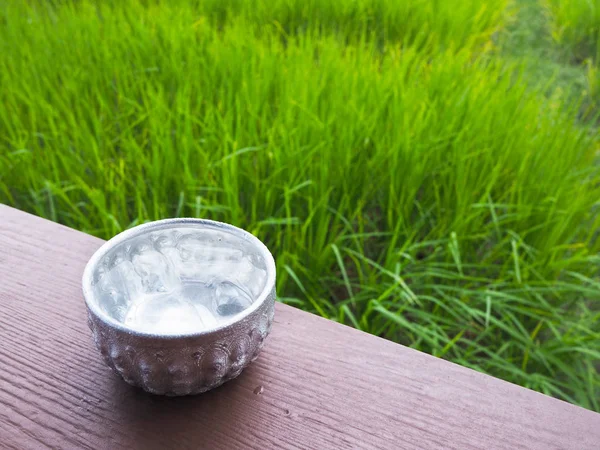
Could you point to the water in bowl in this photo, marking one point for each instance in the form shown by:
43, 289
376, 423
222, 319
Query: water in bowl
181, 281
191, 307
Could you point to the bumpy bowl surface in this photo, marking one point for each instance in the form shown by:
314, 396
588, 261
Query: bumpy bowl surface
190, 362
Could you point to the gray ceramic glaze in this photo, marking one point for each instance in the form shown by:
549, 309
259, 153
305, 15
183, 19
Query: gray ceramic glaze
177, 363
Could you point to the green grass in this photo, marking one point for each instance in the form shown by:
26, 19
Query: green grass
409, 179
574, 26
528, 39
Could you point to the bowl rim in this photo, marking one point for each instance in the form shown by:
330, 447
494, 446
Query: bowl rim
186, 222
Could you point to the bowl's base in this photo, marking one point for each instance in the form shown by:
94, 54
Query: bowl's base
184, 365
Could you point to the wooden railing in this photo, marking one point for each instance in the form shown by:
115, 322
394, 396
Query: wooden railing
316, 385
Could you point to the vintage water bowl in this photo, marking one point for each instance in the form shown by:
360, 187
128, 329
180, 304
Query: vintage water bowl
179, 306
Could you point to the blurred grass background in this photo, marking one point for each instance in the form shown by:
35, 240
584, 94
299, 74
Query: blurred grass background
426, 171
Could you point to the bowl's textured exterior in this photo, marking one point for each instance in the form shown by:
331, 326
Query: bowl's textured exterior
180, 364
188, 364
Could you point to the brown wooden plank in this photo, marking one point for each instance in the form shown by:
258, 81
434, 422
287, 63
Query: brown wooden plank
324, 385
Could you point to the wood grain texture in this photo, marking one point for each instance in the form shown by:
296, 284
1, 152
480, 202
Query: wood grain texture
316, 385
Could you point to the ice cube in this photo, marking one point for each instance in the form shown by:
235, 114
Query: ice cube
168, 314
124, 279
230, 299
229, 309
198, 293
117, 286
154, 269
257, 282
245, 273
